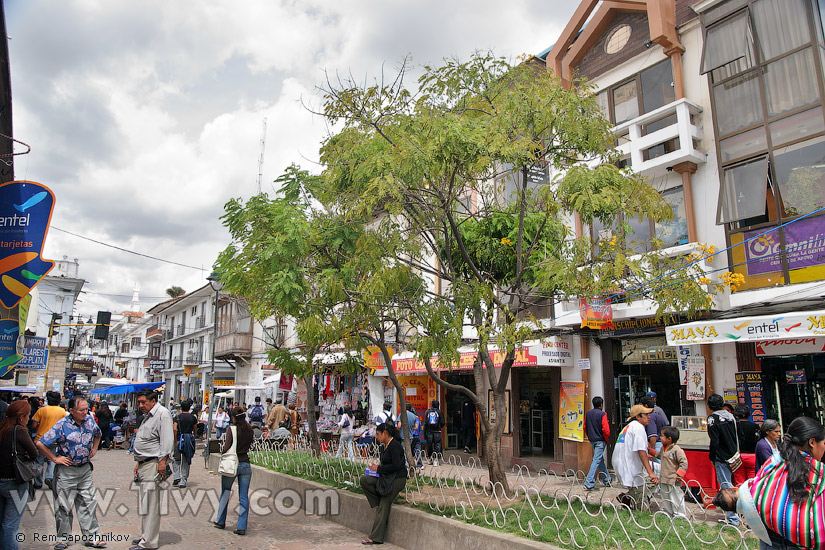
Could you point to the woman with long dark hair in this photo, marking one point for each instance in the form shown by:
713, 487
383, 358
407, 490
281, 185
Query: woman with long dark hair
13, 492
788, 493
392, 466
241, 432
104, 421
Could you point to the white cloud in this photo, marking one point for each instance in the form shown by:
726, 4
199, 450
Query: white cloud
145, 117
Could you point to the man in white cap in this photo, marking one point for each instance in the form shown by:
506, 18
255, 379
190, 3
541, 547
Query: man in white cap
630, 457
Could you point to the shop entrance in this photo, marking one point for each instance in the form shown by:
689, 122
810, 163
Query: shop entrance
537, 410
453, 401
632, 382
789, 393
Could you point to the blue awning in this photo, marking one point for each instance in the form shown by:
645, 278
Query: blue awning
129, 388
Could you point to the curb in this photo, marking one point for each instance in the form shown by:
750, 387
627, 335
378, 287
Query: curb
408, 528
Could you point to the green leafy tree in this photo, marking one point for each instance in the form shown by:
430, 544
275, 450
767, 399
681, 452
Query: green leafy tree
440, 176
283, 261
175, 291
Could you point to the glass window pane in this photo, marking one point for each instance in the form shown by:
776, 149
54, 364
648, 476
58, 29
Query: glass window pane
738, 103
727, 42
625, 102
800, 173
601, 99
743, 192
798, 126
657, 86
725, 8
781, 26
744, 144
638, 238
674, 231
791, 83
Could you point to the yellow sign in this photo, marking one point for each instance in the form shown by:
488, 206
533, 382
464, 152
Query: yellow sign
571, 411
223, 382
374, 359
206, 397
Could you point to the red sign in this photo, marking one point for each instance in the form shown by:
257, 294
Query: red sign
596, 313
286, 382
466, 361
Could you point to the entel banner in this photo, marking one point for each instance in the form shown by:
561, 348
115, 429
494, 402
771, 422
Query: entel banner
25, 213
782, 326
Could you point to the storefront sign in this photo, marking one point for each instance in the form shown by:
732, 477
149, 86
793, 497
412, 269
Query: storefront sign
82, 367
652, 349
795, 377
9, 329
35, 354
553, 352
596, 313
419, 391
491, 406
696, 379
750, 392
634, 326
25, 214
804, 247
793, 346
374, 360
571, 411
223, 382
524, 358
157, 364
684, 355
787, 326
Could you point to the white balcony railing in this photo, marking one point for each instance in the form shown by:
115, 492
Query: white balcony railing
637, 146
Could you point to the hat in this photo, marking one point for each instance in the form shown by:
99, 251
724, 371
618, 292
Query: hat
637, 410
652, 394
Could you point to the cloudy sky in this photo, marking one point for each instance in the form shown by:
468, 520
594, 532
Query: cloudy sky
144, 118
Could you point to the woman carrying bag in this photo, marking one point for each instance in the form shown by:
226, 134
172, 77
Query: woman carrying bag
347, 435
235, 464
392, 477
15, 445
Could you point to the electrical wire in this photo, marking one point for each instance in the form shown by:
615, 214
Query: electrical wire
126, 250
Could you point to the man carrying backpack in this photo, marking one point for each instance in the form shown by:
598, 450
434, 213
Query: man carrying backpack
256, 413
433, 422
385, 415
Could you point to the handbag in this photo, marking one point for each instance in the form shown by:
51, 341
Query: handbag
384, 486
346, 422
229, 460
735, 462
26, 470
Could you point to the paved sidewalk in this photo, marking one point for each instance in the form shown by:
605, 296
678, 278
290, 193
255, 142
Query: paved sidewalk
190, 511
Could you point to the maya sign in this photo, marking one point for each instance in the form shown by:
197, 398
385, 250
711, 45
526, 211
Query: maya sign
783, 326
25, 214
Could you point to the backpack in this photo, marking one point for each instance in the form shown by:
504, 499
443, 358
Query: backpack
346, 422
257, 413
432, 418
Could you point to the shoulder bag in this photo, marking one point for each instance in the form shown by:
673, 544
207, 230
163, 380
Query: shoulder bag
26, 470
735, 462
384, 485
229, 459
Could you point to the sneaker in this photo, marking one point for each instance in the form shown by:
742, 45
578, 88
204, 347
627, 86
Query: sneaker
138, 540
175, 483
48, 483
466, 449
586, 488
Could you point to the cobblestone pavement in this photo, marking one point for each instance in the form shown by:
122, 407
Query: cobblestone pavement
190, 511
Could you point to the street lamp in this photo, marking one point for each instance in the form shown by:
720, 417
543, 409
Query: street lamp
216, 284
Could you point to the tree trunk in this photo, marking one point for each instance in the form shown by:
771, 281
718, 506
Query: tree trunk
492, 443
312, 408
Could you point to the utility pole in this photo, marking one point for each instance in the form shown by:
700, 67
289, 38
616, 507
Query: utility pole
261, 157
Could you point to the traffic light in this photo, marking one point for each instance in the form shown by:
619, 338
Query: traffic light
102, 325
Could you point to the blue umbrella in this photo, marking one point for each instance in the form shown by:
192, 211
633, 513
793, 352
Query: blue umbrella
129, 388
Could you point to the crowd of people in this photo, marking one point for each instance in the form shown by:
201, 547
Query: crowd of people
775, 481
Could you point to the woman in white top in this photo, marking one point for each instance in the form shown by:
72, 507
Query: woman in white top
221, 422
347, 435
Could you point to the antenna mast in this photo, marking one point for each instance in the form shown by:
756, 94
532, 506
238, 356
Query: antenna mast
261, 158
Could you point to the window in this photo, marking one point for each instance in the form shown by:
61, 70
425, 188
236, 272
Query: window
743, 145
674, 231
799, 126
136, 341
800, 174
791, 83
743, 191
728, 41
618, 39
644, 93
782, 26
738, 103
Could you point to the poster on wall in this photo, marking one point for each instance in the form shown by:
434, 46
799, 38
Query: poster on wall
696, 379
491, 406
571, 411
750, 391
417, 392
596, 313
684, 355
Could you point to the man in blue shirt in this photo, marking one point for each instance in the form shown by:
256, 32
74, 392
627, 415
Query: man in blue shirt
414, 425
76, 437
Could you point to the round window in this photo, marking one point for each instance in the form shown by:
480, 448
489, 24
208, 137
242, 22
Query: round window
618, 39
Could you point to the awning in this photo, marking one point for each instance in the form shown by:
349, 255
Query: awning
19, 389
129, 388
781, 326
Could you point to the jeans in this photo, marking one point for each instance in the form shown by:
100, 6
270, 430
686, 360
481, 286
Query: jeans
48, 468
219, 432
415, 446
346, 441
598, 464
106, 435
725, 479
13, 498
244, 476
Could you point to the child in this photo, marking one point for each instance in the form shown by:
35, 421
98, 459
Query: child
674, 468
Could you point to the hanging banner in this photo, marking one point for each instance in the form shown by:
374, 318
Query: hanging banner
9, 330
525, 357
750, 391
491, 406
571, 411
596, 313
25, 214
684, 355
285, 383
696, 379
793, 346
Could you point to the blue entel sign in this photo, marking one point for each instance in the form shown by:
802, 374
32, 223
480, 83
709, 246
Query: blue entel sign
25, 213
